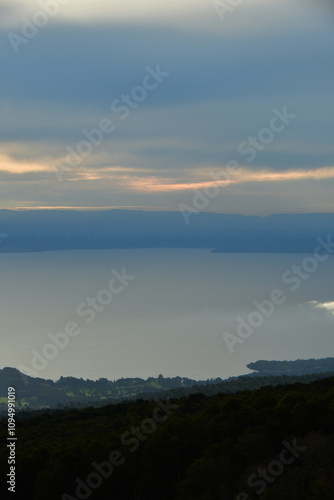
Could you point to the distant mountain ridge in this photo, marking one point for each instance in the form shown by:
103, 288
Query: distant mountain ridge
42, 230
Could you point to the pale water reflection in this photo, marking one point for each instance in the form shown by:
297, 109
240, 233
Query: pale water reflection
170, 319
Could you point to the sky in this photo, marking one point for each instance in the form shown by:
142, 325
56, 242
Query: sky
150, 104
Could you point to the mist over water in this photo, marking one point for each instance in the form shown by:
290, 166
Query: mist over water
170, 319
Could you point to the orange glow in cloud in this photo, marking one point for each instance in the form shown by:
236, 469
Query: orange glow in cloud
12, 166
154, 184
126, 178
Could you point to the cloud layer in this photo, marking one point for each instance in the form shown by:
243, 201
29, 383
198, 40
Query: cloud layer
225, 78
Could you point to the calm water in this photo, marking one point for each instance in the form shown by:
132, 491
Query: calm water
170, 319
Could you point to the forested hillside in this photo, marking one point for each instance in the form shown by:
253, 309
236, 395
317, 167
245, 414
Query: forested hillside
270, 444
37, 393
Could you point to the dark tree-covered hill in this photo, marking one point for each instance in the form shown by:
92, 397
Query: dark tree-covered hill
37, 393
270, 444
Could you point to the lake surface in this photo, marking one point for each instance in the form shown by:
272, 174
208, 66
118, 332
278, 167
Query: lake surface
169, 319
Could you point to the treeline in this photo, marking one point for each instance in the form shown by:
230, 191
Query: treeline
34, 392
242, 383
268, 444
70, 392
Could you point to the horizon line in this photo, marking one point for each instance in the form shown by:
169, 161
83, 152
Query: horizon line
151, 209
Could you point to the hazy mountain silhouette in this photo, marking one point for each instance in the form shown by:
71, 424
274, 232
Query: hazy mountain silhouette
40, 230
